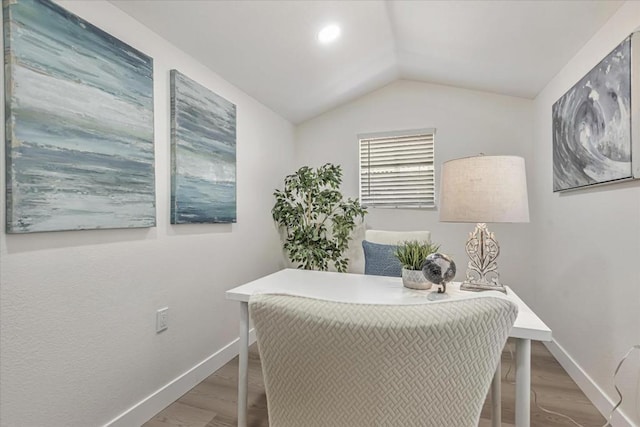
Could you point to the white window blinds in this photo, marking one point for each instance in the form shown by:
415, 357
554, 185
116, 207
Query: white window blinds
397, 170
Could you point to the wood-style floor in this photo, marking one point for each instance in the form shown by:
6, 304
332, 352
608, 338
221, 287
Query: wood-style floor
212, 403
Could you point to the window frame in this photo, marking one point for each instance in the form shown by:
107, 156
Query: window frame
399, 134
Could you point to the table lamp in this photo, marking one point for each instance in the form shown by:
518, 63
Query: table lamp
479, 190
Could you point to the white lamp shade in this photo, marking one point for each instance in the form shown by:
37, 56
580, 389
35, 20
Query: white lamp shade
484, 189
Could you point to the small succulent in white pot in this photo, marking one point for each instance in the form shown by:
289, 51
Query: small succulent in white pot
411, 255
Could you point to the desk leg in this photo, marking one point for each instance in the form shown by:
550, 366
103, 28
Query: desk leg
496, 399
523, 382
243, 378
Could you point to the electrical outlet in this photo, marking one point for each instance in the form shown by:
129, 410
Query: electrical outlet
162, 319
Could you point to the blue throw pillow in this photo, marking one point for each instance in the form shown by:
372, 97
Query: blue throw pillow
380, 260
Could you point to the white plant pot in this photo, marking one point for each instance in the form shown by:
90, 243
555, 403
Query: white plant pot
414, 279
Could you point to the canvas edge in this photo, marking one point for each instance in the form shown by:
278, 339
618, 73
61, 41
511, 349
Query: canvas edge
154, 222
172, 143
635, 105
8, 128
235, 137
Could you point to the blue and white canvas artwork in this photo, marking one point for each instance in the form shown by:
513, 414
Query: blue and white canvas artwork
203, 154
79, 135
592, 125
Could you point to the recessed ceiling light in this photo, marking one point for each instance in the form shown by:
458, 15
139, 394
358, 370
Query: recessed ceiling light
329, 33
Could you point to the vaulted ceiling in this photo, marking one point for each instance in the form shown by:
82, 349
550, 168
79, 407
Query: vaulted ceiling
269, 49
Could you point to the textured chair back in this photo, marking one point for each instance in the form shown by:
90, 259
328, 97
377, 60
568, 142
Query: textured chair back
350, 365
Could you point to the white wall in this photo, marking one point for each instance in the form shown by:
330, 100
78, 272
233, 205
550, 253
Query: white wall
587, 247
467, 123
78, 345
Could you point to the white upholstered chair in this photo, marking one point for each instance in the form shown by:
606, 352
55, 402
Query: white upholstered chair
356, 365
379, 248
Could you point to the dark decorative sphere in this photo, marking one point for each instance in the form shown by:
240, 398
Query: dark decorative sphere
439, 269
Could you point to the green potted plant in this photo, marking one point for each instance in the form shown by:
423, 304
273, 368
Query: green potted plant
315, 219
411, 255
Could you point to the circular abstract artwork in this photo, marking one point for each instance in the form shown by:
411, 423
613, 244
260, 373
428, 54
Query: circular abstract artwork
592, 125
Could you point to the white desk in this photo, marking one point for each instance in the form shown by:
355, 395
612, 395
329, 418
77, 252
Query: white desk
358, 288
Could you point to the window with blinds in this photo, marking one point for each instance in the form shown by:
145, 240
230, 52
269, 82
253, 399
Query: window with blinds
396, 169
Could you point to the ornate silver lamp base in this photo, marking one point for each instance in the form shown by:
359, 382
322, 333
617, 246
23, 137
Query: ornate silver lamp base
482, 270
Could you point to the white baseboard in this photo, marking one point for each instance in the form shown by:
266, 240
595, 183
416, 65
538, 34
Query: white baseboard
148, 407
594, 393
144, 410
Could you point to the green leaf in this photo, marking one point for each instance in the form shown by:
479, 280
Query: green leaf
316, 220
411, 254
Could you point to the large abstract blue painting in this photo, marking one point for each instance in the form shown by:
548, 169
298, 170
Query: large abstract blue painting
203, 154
79, 115
592, 125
